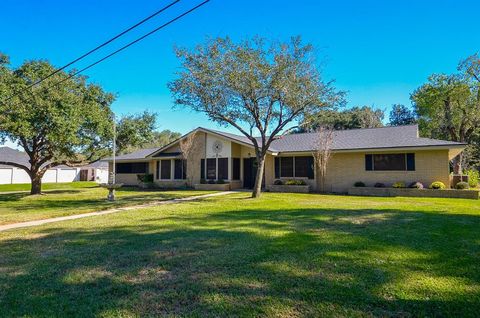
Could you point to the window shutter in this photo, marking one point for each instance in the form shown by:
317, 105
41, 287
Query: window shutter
277, 168
369, 162
202, 168
410, 161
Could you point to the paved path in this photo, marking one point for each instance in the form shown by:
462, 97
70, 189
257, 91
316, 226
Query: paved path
110, 211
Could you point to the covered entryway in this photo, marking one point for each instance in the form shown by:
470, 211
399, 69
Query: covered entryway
250, 167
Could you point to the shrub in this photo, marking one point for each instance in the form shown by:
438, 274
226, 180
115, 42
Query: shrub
473, 178
145, 178
437, 185
211, 181
462, 186
203, 181
379, 185
220, 181
278, 182
359, 184
295, 182
416, 185
398, 185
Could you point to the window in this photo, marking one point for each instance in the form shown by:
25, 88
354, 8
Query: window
286, 167
165, 171
236, 168
132, 167
222, 168
202, 168
390, 162
211, 168
304, 167
277, 167
180, 172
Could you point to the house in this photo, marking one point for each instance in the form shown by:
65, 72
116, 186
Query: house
387, 155
97, 171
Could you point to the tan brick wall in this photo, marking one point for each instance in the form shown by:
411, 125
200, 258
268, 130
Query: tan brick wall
344, 169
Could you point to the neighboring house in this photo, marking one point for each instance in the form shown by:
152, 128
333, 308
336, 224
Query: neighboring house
386, 155
97, 171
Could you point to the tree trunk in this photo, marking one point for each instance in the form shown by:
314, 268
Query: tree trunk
457, 164
257, 188
36, 184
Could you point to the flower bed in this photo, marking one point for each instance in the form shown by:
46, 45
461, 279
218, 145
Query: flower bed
289, 188
406, 192
212, 186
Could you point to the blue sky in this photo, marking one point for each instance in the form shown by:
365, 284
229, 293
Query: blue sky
378, 51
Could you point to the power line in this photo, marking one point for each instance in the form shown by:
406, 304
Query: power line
96, 48
130, 44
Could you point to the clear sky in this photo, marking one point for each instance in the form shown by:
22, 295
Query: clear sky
378, 51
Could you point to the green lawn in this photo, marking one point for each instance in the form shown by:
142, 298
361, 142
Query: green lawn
284, 255
78, 198
48, 186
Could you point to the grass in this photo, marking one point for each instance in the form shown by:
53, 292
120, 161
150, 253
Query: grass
48, 186
78, 198
283, 255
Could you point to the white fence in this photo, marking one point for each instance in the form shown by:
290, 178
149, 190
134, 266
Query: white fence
15, 175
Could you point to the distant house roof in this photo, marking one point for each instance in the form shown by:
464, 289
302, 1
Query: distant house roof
343, 140
13, 155
20, 157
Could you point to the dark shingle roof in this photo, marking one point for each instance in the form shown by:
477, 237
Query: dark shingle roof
13, 155
356, 139
136, 155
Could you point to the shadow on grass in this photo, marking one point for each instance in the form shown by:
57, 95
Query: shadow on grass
298, 262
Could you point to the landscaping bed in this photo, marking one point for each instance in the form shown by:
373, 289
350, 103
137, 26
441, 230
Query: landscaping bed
212, 186
408, 192
289, 188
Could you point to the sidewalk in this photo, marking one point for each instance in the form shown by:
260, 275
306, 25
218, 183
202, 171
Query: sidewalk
110, 211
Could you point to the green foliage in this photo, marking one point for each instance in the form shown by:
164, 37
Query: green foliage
203, 181
255, 86
398, 185
437, 185
416, 185
359, 184
220, 181
134, 131
295, 182
145, 178
473, 177
462, 185
379, 185
401, 115
278, 182
356, 117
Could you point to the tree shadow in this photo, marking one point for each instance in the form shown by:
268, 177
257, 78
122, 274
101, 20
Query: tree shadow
291, 262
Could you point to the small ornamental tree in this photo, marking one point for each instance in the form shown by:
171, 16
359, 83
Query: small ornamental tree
188, 148
322, 153
256, 86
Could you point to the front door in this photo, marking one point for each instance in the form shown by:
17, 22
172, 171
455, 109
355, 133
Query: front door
250, 173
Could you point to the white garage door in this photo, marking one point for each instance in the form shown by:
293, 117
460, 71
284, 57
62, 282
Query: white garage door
5, 175
67, 175
50, 176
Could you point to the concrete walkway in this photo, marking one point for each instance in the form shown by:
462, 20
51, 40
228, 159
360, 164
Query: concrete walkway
110, 211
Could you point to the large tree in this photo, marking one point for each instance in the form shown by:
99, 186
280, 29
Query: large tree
60, 121
339, 119
448, 107
402, 115
257, 86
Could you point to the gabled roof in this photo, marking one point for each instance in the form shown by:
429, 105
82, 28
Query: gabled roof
343, 140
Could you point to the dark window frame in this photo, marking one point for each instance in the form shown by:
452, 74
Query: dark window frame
211, 167
163, 169
222, 168
287, 168
402, 162
180, 169
303, 167
202, 168
131, 167
236, 169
